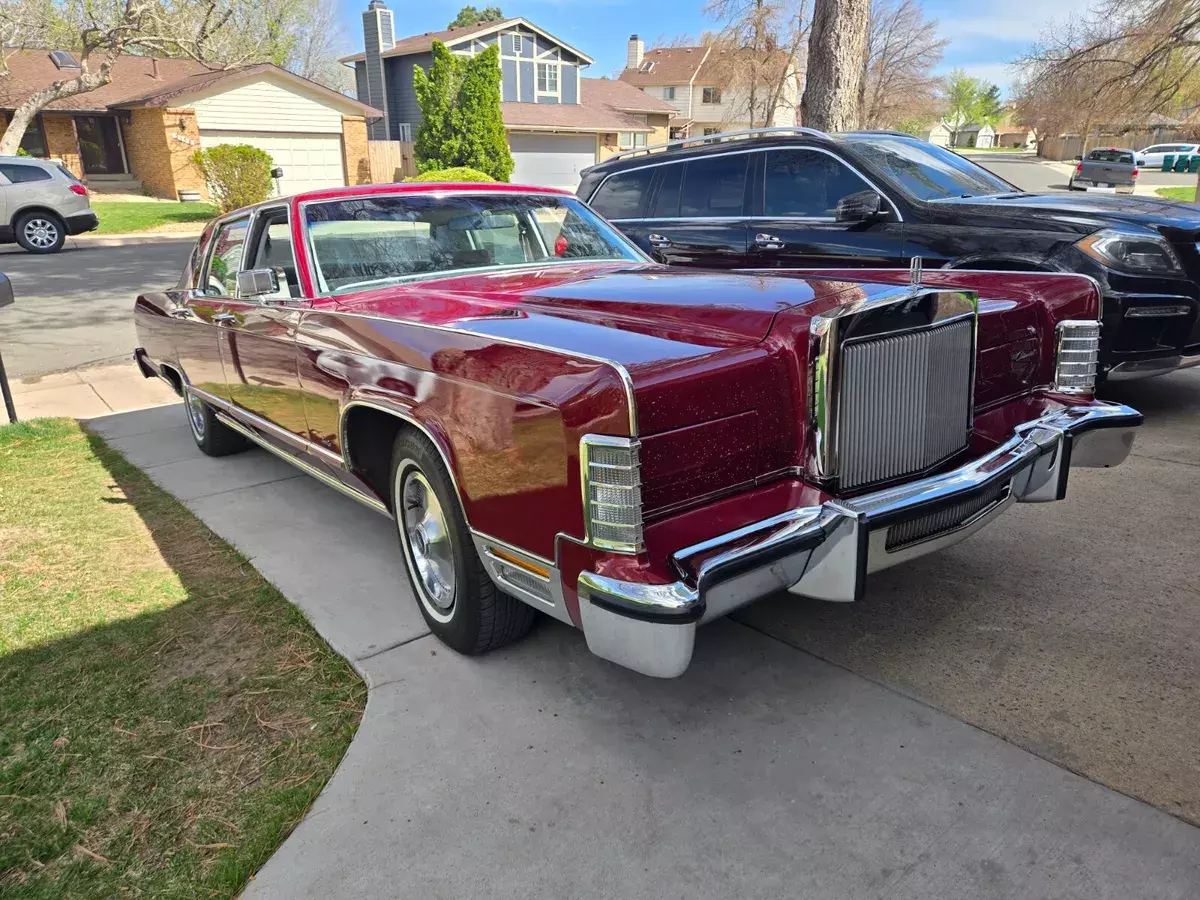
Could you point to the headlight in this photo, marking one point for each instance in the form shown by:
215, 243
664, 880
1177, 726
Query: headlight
1131, 251
612, 492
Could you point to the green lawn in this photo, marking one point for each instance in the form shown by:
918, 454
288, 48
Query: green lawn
1182, 194
122, 218
166, 716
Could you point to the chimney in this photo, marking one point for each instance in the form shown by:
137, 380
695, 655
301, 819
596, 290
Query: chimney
153, 67
378, 35
635, 52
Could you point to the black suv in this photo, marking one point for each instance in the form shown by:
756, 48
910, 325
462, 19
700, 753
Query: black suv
799, 198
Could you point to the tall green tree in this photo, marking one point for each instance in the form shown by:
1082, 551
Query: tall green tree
461, 124
991, 110
469, 15
962, 99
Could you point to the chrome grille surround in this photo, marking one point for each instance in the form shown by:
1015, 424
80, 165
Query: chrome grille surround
892, 385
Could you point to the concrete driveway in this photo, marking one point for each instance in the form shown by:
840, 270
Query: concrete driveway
924, 743
75, 308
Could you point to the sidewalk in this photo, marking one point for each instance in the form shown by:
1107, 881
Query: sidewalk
89, 392
540, 772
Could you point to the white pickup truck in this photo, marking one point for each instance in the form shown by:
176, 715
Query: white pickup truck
1110, 169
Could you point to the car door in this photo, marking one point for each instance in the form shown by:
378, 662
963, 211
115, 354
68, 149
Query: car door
698, 213
259, 349
199, 336
804, 219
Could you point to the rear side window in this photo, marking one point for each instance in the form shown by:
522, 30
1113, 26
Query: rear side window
18, 174
1112, 156
713, 188
621, 196
225, 259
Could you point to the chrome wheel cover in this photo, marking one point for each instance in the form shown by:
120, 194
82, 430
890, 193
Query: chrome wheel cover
425, 533
195, 413
41, 233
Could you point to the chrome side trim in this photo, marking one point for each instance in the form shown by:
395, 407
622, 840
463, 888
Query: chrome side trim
257, 421
622, 372
370, 502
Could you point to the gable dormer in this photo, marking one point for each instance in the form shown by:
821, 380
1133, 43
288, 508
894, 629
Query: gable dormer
535, 67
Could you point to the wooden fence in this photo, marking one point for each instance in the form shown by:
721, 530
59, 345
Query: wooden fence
390, 161
1068, 146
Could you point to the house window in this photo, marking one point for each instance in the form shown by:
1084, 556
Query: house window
547, 78
628, 140
512, 44
708, 131
711, 95
669, 93
33, 141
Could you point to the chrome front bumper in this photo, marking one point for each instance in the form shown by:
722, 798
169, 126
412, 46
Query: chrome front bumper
826, 552
1149, 368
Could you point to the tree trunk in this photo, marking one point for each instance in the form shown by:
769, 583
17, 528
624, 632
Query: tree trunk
837, 43
33, 104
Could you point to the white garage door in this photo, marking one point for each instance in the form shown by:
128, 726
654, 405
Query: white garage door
551, 160
308, 161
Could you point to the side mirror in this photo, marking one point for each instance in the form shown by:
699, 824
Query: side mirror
6, 291
257, 283
862, 206
1079, 158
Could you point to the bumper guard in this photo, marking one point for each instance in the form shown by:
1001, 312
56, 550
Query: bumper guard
826, 552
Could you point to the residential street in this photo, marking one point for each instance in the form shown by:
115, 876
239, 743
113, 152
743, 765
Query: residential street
1030, 173
998, 720
75, 308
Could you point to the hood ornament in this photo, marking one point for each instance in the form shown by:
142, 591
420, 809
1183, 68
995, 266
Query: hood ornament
914, 274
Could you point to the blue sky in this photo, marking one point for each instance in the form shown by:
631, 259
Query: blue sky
984, 37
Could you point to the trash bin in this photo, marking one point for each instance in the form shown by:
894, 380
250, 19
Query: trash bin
1193, 163
1168, 162
1181, 163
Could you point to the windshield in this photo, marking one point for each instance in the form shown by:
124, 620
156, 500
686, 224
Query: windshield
372, 241
1113, 156
925, 171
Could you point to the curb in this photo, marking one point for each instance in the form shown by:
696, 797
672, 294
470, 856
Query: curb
123, 240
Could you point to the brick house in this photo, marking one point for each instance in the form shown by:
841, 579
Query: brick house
557, 121
140, 131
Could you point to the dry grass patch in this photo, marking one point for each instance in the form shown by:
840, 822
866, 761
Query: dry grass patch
166, 716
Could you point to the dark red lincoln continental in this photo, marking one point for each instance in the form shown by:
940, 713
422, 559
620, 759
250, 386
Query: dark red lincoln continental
558, 424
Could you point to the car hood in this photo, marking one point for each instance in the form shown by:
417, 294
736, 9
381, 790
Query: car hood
1083, 211
631, 313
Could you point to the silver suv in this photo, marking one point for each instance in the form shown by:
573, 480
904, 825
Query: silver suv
41, 203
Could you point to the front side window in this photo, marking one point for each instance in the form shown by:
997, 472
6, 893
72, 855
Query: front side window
713, 188
925, 171
806, 183
19, 174
622, 196
272, 249
225, 259
711, 95
374, 241
547, 78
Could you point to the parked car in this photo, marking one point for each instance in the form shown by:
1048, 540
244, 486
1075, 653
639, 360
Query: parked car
41, 203
1153, 157
1107, 169
559, 424
798, 198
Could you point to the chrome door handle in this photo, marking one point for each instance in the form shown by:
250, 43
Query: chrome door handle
181, 312
659, 242
221, 318
767, 242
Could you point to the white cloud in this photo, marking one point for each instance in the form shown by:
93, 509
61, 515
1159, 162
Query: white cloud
1000, 73
1020, 21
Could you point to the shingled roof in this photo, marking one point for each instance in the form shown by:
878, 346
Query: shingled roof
604, 106
143, 81
667, 65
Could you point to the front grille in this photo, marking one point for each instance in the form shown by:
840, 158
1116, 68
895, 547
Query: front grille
944, 520
905, 402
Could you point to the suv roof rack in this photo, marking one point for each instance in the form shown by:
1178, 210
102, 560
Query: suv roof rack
719, 138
